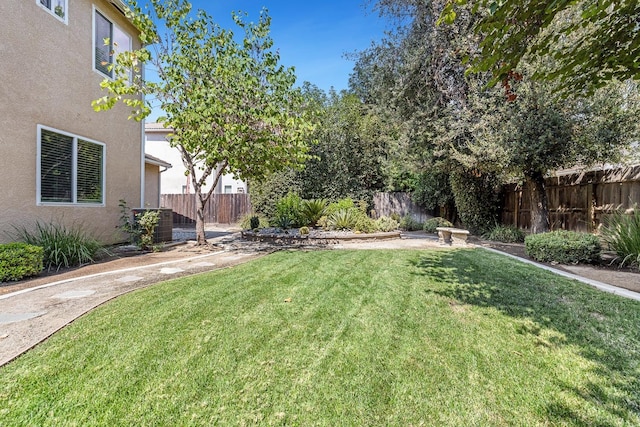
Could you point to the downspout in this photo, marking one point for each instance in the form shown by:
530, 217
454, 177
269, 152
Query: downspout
142, 158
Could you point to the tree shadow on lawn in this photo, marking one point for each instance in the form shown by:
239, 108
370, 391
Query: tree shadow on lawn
605, 328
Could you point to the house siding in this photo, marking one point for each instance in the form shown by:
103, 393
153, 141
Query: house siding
48, 79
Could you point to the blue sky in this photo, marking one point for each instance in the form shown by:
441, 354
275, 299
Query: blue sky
312, 36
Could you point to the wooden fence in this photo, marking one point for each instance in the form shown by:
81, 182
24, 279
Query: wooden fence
386, 204
577, 201
220, 209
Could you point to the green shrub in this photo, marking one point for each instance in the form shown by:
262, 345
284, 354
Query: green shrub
430, 225
304, 230
386, 224
288, 211
364, 224
622, 233
62, 246
477, 199
343, 219
147, 222
342, 204
566, 247
312, 210
506, 234
407, 223
247, 222
19, 260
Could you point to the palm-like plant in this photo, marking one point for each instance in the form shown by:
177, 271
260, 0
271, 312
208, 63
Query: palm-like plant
312, 210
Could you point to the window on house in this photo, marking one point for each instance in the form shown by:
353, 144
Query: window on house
70, 168
57, 8
108, 41
227, 189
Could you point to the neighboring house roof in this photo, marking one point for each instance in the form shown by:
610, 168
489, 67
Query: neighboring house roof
148, 158
156, 127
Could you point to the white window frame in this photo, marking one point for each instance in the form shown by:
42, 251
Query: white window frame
52, 12
115, 27
74, 168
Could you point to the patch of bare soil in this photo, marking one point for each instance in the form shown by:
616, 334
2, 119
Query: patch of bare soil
607, 271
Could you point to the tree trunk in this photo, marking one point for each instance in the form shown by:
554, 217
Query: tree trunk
201, 238
539, 203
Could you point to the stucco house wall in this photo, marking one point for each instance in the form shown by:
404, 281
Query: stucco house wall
48, 79
175, 181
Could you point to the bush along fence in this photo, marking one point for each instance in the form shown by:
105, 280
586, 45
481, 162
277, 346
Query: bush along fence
578, 201
221, 208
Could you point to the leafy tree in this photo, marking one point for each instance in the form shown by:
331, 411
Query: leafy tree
581, 44
231, 104
456, 125
348, 156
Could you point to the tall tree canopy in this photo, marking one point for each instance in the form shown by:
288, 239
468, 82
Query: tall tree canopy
454, 124
232, 106
581, 44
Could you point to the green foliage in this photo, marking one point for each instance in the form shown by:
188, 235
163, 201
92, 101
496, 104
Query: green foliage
565, 247
343, 219
407, 223
266, 192
432, 189
304, 230
364, 224
431, 224
247, 222
62, 246
254, 222
127, 223
386, 224
147, 222
506, 234
289, 211
348, 159
342, 204
312, 210
19, 260
477, 200
621, 231
574, 40
232, 106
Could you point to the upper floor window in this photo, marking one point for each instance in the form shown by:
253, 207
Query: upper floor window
108, 41
57, 8
70, 168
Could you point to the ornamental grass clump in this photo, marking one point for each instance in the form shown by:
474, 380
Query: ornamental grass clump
621, 232
62, 246
312, 210
562, 246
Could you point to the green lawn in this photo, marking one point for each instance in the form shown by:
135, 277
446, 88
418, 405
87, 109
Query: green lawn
342, 338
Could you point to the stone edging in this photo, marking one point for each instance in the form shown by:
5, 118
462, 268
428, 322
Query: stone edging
325, 238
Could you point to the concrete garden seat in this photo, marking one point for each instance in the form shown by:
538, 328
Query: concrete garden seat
452, 236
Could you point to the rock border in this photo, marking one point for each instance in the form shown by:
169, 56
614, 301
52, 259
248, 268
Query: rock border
321, 238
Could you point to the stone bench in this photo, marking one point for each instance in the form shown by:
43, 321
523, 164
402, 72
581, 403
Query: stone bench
450, 235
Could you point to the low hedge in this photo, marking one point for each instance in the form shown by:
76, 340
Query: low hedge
565, 247
18, 260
